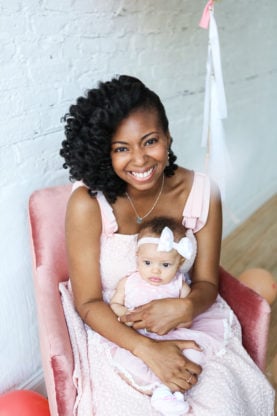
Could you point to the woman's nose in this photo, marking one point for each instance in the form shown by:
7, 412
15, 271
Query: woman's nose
138, 156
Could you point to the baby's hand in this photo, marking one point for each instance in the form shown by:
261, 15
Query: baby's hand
129, 323
126, 323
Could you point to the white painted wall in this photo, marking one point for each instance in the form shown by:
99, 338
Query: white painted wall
51, 51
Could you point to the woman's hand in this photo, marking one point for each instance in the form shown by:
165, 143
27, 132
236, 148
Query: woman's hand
160, 316
166, 360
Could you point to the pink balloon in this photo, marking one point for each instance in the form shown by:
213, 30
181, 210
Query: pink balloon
23, 403
262, 282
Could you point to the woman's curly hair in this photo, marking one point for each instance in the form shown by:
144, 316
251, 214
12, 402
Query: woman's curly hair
90, 125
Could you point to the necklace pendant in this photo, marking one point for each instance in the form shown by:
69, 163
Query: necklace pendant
138, 218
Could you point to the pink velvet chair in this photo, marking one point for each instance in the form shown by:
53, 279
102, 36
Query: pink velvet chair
47, 212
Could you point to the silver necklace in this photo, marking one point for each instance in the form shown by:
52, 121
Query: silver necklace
139, 219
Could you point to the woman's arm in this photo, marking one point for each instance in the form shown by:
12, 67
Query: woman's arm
83, 231
161, 316
206, 267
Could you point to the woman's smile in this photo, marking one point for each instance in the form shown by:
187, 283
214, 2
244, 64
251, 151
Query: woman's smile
143, 176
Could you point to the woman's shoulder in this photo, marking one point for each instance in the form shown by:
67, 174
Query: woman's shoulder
81, 203
202, 194
83, 225
191, 179
184, 174
182, 180
189, 176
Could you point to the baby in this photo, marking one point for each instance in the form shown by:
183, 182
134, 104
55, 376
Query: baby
162, 250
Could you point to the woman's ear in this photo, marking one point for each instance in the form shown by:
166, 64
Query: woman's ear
169, 140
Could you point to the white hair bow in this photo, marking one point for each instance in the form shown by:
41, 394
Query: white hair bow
166, 243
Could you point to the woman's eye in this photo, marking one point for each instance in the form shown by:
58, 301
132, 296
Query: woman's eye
120, 149
151, 141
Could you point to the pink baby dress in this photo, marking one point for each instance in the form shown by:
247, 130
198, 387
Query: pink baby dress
139, 292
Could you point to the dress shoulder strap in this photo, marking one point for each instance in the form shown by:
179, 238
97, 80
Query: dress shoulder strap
196, 209
109, 224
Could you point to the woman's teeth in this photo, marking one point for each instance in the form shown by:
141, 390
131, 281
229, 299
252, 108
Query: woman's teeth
142, 175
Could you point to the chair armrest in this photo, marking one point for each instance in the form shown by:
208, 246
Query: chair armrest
252, 311
57, 356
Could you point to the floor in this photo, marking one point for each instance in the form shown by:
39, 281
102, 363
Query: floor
254, 245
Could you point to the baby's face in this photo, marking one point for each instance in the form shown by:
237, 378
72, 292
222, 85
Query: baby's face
157, 267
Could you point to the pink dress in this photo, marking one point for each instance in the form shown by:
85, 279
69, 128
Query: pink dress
230, 384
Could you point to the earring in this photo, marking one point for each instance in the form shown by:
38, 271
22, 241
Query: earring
167, 163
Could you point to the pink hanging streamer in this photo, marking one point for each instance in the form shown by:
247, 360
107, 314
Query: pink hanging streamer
205, 19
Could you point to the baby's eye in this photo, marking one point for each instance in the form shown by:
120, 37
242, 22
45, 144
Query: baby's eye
166, 265
147, 262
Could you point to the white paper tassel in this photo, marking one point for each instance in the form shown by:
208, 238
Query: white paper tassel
218, 162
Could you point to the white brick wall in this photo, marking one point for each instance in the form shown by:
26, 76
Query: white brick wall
51, 51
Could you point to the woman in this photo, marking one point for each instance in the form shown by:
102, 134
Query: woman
118, 144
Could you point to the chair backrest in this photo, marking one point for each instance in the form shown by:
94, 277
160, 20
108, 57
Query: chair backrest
47, 214
47, 209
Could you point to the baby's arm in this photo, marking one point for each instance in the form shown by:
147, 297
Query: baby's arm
185, 290
184, 293
117, 301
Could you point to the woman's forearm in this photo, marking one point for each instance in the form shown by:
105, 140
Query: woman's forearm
99, 316
201, 297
